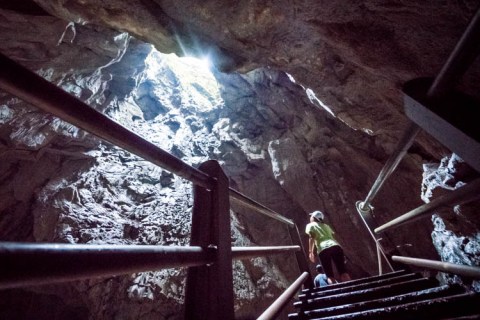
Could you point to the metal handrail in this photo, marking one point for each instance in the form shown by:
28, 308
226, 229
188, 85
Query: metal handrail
33, 89
401, 149
278, 305
244, 200
462, 56
367, 219
25, 264
462, 270
239, 253
465, 194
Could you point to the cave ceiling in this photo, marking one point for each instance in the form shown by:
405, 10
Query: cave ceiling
355, 56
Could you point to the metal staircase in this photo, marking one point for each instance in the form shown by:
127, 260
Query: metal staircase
209, 288
395, 295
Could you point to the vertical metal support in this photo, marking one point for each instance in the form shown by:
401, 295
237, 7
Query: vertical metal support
300, 255
209, 289
369, 222
379, 258
392, 163
463, 55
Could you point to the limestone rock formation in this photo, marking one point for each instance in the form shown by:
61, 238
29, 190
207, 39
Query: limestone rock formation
307, 123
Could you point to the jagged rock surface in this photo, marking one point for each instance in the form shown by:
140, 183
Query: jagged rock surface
60, 184
329, 131
355, 56
455, 235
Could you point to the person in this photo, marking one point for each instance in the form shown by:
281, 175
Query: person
321, 278
328, 249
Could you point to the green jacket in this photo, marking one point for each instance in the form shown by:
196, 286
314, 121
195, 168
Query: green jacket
322, 234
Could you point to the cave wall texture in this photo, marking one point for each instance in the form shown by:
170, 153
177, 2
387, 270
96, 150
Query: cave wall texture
302, 111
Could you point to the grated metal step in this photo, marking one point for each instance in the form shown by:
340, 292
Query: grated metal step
465, 304
361, 286
433, 293
367, 294
357, 281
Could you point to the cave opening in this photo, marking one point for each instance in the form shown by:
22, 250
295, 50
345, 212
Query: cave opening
293, 149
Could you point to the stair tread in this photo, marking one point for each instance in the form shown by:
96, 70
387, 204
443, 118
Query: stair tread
372, 284
357, 281
437, 292
369, 294
466, 305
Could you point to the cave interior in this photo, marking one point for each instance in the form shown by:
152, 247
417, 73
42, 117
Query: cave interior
365, 111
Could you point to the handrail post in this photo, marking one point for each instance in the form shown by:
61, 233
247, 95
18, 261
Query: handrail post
369, 222
300, 255
209, 289
379, 258
401, 149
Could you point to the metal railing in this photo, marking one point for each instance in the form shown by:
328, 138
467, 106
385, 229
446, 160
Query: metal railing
275, 308
462, 270
67, 262
463, 55
209, 288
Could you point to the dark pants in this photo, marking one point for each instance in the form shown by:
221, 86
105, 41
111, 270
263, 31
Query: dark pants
332, 254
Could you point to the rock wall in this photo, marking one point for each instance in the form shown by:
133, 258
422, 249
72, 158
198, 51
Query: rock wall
60, 184
456, 230
274, 134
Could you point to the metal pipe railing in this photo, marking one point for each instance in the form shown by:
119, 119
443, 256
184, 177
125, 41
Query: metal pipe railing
458, 62
401, 149
379, 258
462, 270
462, 56
33, 89
239, 253
467, 193
367, 219
26, 264
278, 305
33, 264
247, 202
301, 256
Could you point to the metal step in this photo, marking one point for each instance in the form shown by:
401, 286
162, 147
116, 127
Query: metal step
367, 294
465, 304
433, 293
357, 281
362, 286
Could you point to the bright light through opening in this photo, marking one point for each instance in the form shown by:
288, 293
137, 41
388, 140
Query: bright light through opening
313, 98
194, 76
200, 63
